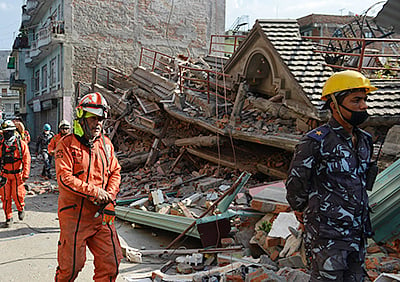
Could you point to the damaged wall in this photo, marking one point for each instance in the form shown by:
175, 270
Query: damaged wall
113, 32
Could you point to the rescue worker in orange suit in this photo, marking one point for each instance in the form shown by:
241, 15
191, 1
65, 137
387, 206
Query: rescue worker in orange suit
63, 128
88, 175
15, 167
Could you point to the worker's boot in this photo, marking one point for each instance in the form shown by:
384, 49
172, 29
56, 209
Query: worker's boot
21, 215
9, 222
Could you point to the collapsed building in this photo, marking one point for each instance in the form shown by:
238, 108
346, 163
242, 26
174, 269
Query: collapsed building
188, 127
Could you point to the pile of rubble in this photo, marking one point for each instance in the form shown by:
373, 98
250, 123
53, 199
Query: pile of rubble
254, 237
183, 153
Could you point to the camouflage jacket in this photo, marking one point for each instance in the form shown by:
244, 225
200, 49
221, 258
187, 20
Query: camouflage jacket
327, 180
43, 142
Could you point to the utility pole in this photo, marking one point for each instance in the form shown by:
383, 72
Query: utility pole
341, 11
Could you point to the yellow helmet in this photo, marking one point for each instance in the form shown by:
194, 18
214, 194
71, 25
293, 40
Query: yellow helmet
346, 80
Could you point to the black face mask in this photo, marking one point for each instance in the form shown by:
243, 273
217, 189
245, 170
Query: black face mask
357, 117
8, 134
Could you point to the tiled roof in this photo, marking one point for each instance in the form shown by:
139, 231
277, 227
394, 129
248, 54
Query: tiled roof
385, 102
307, 67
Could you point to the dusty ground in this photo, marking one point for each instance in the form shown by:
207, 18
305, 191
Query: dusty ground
29, 247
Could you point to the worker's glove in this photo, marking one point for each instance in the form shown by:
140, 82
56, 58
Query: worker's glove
109, 214
293, 243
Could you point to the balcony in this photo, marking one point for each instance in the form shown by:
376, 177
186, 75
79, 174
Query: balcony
34, 11
16, 84
46, 39
21, 42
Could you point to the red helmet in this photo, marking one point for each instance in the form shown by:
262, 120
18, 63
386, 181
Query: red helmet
92, 103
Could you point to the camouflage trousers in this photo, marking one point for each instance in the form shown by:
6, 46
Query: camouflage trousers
336, 265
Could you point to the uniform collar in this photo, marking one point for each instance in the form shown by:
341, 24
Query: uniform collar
85, 142
338, 128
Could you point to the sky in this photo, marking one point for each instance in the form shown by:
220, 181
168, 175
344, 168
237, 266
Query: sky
10, 12
294, 9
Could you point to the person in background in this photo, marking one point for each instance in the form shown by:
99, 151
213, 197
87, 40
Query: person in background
42, 149
63, 129
88, 176
22, 131
15, 167
328, 181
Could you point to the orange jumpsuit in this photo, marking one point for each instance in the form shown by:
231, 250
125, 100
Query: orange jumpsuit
81, 171
16, 160
53, 143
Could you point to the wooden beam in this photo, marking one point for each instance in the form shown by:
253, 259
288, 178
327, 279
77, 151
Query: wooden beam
185, 210
177, 160
238, 106
155, 147
271, 171
203, 141
111, 136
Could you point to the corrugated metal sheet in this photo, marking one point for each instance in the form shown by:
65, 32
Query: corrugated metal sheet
384, 201
168, 222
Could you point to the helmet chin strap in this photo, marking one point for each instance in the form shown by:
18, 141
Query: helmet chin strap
87, 131
338, 110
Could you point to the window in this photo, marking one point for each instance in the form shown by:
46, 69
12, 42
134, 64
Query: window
368, 34
59, 68
8, 107
3, 90
53, 72
44, 77
16, 108
36, 82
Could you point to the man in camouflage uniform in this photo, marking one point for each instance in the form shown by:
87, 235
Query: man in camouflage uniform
42, 149
327, 182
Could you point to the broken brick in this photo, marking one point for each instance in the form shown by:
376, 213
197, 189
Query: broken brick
234, 277
226, 242
269, 206
372, 263
372, 274
271, 242
274, 255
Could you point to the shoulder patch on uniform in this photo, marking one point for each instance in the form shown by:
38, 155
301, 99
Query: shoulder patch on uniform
318, 133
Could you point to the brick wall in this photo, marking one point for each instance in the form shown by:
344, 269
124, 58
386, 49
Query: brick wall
111, 33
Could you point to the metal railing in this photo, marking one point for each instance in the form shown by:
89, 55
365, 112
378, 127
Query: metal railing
44, 37
209, 81
225, 44
156, 61
385, 57
109, 78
